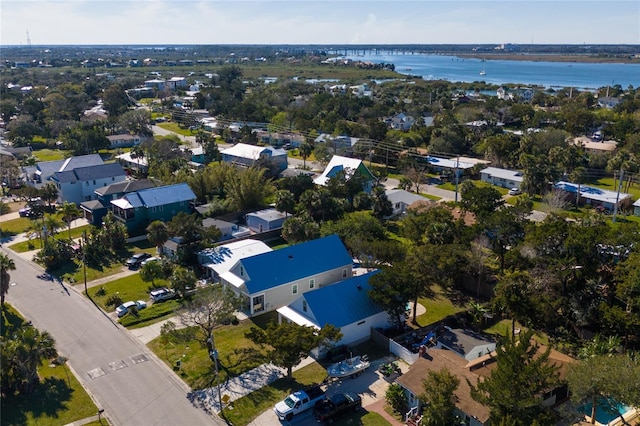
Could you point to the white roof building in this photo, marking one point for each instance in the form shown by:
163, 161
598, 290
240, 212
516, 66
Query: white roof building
220, 259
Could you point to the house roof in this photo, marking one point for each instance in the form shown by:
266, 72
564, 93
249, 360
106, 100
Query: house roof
339, 163
436, 360
342, 303
462, 341
268, 214
125, 186
126, 157
124, 136
513, 175
593, 193
402, 196
637, 203
251, 152
223, 257
83, 174
92, 205
447, 163
48, 168
270, 270
158, 196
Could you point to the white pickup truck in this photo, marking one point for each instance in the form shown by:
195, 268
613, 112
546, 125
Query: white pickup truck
298, 402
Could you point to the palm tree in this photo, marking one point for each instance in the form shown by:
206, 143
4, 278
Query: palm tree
305, 151
158, 234
30, 347
6, 264
69, 212
51, 225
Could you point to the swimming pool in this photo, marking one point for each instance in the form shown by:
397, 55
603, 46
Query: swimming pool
606, 411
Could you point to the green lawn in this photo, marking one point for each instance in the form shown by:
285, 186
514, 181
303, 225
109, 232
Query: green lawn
174, 127
15, 226
50, 154
128, 288
437, 309
59, 399
34, 244
100, 268
504, 326
237, 355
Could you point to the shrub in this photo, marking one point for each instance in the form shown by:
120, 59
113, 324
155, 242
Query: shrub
114, 300
101, 291
396, 399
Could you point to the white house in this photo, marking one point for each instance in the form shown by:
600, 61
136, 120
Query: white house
350, 167
502, 177
269, 281
345, 305
79, 184
220, 259
595, 197
636, 207
40, 174
401, 199
265, 220
124, 140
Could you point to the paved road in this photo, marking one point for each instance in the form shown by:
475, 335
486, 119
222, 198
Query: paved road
125, 378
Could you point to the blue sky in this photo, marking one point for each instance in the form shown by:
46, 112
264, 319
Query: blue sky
318, 22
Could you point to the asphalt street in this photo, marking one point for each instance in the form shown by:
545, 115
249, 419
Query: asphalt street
124, 377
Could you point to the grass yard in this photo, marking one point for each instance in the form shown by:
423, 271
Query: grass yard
128, 288
174, 127
504, 326
437, 308
14, 226
237, 355
100, 268
59, 398
50, 154
36, 243
250, 406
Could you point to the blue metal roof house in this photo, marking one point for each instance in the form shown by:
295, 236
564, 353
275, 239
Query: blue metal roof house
271, 280
346, 305
138, 209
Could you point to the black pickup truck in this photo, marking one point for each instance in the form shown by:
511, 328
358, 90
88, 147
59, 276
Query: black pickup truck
331, 408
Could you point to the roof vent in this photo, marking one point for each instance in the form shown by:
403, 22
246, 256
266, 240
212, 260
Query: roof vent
359, 287
290, 256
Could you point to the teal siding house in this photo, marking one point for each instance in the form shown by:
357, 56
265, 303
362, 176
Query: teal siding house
138, 209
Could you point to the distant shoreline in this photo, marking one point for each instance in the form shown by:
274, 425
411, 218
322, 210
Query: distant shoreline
550, 58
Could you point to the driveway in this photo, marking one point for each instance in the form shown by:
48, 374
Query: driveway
371, 386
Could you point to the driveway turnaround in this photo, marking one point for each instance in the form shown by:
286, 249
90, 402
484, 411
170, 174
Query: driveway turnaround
126, 379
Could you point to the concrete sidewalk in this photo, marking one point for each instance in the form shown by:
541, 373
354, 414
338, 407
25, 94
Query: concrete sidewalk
242, 385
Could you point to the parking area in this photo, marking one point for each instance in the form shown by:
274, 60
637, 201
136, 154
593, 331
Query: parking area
371, 386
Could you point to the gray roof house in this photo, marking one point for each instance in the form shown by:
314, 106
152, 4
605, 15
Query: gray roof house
265, 220
466, 343
79, 184
401, 199
95, 210
502, 177
38, 175
124, 140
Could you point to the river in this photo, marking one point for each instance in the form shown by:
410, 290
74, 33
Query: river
580, 75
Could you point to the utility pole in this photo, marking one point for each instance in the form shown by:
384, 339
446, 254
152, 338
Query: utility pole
84, 258
456, 172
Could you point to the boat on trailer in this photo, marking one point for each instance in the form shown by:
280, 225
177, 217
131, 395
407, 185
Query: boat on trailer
350, 367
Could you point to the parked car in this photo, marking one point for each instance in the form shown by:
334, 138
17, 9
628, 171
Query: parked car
515, 191
124, 309
136, 260
161, 294
148, 260
25, 212
339, 404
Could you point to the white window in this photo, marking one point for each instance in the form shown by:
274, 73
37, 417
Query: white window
294, 289
312, 283
241, 271
304, 305
344, 273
